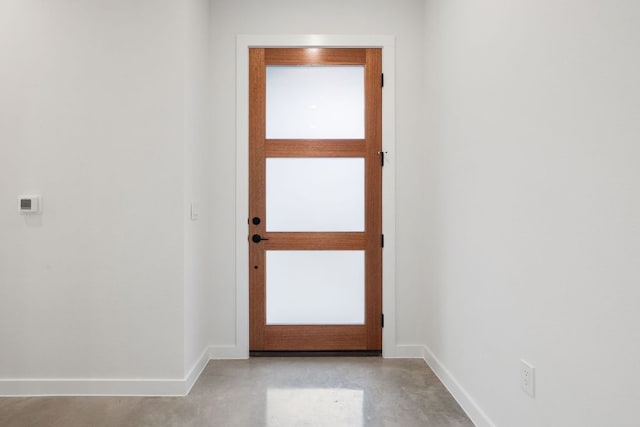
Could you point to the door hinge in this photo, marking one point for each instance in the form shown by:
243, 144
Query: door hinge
382, 80
382, 240
382, 320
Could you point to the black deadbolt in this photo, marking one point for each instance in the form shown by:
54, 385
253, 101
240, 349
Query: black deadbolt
257, 238
255, 220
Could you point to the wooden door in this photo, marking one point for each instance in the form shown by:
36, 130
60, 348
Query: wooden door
292, 243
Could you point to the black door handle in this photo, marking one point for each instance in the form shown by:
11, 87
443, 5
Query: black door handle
256, 238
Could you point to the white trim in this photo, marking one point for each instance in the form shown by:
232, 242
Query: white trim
118, 387
222, 352
105, 387
404, 351
196, 370
92, 387
244, 42
459, 393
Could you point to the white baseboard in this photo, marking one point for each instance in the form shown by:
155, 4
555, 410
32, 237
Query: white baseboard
227, 352
464, 399
104, 387
24, 387
92, 387
196, 370
404, 351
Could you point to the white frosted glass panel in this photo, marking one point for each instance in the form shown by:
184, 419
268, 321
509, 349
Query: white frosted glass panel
315, 102
315, 194
315, 287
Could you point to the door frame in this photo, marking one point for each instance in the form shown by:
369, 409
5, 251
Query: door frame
387, 43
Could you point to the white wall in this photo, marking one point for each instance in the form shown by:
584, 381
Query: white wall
199, 153
534, 206
95, 112
400, 18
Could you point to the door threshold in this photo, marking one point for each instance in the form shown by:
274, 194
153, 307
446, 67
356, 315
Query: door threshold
316, 353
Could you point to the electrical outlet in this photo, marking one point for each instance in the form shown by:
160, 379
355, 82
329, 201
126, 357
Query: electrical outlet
527, 377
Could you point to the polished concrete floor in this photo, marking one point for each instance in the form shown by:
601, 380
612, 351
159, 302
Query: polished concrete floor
273, 392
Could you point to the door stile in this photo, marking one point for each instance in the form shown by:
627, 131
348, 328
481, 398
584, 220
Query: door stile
257, 110
373, 197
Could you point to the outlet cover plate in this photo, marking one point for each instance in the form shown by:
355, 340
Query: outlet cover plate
527, 377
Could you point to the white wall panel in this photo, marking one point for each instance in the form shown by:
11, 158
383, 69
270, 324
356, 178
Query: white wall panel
533, 235
92, 118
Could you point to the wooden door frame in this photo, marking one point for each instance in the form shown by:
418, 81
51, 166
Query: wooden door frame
241, 347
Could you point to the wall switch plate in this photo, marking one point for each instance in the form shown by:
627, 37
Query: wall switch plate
195, 211
527, 377
29, 204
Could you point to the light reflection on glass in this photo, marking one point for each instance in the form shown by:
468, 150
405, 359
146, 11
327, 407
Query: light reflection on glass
314, 407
